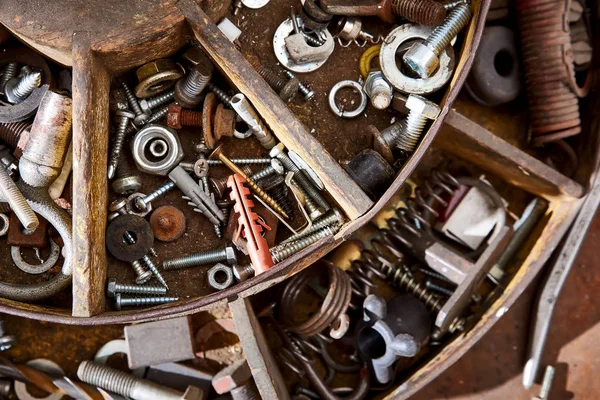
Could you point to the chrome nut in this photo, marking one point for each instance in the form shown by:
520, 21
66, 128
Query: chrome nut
427, 108
156, 76
422, 60
220, 276
143, 142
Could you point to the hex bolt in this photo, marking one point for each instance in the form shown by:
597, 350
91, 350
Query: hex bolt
140, 117
10, 71
121, 301
283, 251
379, 90
122, 383
242, 161
243, 272
226, 254
114, 287
17, 201
17, 89
425, 12
126, 181
299, 176
220, 93
177, 117
188, 89
141, 203
439, 289
421, 110
236, 379
147, 105
423, 58
123, 119
287, 88
276, 167
142, 275
334, 218
306, 90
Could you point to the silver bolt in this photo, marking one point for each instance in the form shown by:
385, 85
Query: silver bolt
220, 93
123, 119
283, 251
243, 272
121, 301
421, 110
114, 287
188, 89
226, 254
10, 71
242, 161
141, 203
17, 89
140, 116
276, 167
143, 275
17, 201
122, 383
423, 58
379, 90
147, 105
278, 153
306, 91
335, 218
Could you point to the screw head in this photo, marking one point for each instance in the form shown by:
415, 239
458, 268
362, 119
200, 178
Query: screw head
168, 223
141, 119
277, 166
145, 107
117, 204
143, 278
277, 150
423, 106
125, 113
112, 287
118, 301
422, 60
231, 256
127, 185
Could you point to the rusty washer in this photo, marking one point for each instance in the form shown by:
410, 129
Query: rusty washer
138, 228
168, 223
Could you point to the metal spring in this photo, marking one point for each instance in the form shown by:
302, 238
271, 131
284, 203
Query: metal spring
359, 43
552, 90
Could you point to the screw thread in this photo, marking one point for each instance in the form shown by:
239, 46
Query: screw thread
435, 275
202, 258
263, 173
242, 161
17, 201
118, 144
195, 82
138, 289
11, 132
107, 378
279, 195
191, 118
332, 220
310, 190
158, 192
314, 41
123, 167
426, 12
220, 93
5, 207
152, 267
411, 130
309, 203
306, 91
146, 301
404, 280
443, 34
161, 99
281, 252
132, 100
27, 84
439, 289
10, 71
275, 81
141, 273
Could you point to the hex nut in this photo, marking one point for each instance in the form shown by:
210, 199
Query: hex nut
423, 106
156, 76
231, 377
214, 279
144, 137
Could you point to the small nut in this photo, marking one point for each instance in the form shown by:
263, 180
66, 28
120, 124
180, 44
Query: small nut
423, 106
220, 276
156, 76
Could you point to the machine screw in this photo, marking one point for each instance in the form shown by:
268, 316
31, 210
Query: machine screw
17, 89
121, 301
220, 93
299, 177
177, 117
283, 251
141, 203
287, 88
123, 119
140, 117
122, 383
306, 91
147, 105
421, 110
243, 272
253, 185
423, 58
126, 182
9, 72
334, 219
17, 201
226, 254
242, 161
114, 287
437, 288
425, 12
379, 90
143, 275
276, 167
188, 89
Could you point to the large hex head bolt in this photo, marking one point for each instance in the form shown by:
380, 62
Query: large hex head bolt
423, 58
188, 89
421, 110
237, 380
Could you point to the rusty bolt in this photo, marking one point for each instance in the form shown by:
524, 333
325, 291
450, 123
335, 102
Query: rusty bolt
177, 117
425, 12
231, 377
224, 123
168, 223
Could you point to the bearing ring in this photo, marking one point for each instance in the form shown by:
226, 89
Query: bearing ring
352, 85
402, 82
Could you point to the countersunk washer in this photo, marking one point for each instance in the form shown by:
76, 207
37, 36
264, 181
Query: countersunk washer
405, 83
139, 228
284, 30
168, 223
352, 85
15, 252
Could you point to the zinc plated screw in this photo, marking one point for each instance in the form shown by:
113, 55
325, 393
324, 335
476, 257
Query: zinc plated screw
226, 254
152, 267
121, 301
17, 201
147, 105
306, 91
114, 287
123, 119
141, 203
287, 88
283, 251
278, 153
242, 161
17, 89
140, 116
9, 72
423, 58
143, 275
421, 110
122, 383
188, 89
276, 167
334, 218
220, 93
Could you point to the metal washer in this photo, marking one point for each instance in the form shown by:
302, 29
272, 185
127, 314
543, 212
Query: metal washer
348, 84
404, 83
33, 269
